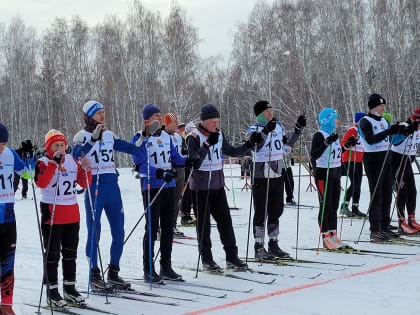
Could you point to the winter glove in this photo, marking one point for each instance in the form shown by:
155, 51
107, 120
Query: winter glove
27, 147
85, 163
331, 139
58, 156
351, 142
193, 162
270, 126
97, 133
154, 127
284, 140
254, 139
395, 128
166, 175
411, 129
301, 122
212, 139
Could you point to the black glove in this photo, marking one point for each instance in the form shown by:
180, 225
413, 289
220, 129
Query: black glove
301, 122
27, 147
97, 133
351, 142
411, 128
254, 139
284, 140
331, 139
395, 128
213, 138
194, 162
166, 175
270, 126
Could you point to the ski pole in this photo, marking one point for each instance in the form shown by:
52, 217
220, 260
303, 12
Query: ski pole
353, 183
39, 228
324, 198
204, 219
268, 186
345, 191
95, 230
298, 207
47, 249
149, 215
231, 181
250, 202
375, 188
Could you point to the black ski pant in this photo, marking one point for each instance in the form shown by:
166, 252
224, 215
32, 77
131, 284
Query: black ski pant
407, 194
188, 199
64, 239
7, 258
214, 202
380, 203
356, 176
24, 184
275, 206
162, 210
289, 184
179, 187
327, 216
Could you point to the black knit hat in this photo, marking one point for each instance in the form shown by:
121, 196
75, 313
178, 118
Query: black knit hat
375, 100
261, 106
4, 134
209, 111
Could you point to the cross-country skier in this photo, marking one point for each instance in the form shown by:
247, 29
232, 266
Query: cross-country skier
269, 165
59, 207
208, 143
355, 170
99, 144
158, 157
374, 133
404, 150
326, 159
9, 164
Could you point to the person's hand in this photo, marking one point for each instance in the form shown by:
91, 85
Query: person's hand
213, 138
97, 133
166, 175
254, 139
58, 156
194, 162
301, 122
351, 142
270, 126
85, 163
331, 139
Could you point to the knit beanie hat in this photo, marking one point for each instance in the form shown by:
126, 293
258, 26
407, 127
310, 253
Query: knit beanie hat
149, 110
358, 116
209, 111
416, 115
375, 100
261, 106
51, 137
4, 134
388, 116
90, 108
169, 118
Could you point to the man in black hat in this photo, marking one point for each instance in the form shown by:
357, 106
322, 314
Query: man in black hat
269, 162
374, 133
208, 143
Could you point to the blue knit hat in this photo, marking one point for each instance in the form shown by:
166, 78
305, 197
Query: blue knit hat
209, 111
358, 116
326, 119
149, 110
4, 134
90, 108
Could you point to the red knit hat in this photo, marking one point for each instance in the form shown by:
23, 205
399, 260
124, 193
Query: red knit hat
170, 117
416, 115
51, 137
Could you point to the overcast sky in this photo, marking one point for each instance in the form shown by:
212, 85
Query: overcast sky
216, 19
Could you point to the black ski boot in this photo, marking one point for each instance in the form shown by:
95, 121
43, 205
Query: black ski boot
187, 220
261, 254
211, 266
357, 212
54, 298
236, 264
155, 277
97, 283
346, 212
378, 237
275, 250
71, 294
115, 280
167, 273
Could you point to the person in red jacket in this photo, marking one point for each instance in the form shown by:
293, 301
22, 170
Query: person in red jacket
355, 171
60, 216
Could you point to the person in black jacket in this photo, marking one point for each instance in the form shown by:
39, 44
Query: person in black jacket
207, 143
25, 151
374, 133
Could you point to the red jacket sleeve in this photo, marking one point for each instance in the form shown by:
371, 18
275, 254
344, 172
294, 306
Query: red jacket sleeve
46, 173
81, 177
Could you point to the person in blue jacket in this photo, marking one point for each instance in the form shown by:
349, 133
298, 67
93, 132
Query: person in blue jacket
99, 144
9, 164
159, 154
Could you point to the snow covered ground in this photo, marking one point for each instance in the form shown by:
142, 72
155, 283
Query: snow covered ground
382, 285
